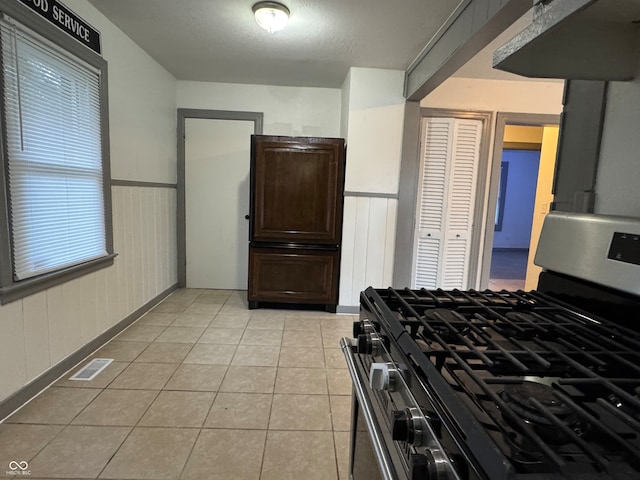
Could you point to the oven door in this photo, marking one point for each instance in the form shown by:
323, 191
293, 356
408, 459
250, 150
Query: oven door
369, 456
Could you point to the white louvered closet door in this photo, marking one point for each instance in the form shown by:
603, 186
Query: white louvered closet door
449, 152
436, 147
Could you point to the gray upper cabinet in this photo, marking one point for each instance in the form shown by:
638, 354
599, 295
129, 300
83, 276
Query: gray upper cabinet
576, 39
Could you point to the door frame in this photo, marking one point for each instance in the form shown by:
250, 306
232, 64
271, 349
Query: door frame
181, 225
503, 119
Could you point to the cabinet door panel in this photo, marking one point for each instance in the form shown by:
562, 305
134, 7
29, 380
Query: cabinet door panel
297, 188
293, 276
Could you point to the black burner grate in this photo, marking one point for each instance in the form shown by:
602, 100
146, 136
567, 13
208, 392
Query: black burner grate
583, 416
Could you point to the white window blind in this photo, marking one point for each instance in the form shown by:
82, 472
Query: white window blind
51, 103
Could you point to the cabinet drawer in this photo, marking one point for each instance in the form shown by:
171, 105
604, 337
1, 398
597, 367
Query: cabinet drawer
293, 276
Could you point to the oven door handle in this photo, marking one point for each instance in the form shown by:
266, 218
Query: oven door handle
384, 460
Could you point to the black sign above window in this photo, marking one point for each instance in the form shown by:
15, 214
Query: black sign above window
66, 20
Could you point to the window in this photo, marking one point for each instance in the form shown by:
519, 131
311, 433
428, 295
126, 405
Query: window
54, 158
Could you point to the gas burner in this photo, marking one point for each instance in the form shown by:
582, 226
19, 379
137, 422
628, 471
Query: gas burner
448, 325
518, 398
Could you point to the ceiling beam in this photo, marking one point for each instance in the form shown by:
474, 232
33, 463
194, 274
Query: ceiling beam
470, 28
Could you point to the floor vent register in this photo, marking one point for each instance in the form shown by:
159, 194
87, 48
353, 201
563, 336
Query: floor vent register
92, 369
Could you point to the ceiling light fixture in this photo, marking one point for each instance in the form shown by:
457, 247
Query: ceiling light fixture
272, 16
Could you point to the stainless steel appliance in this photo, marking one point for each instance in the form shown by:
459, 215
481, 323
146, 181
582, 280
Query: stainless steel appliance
463, 385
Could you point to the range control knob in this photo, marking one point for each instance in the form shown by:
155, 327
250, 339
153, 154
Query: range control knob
365, 344
383, 376
401, 428
370, 344
360, 328
423, 467
409, 426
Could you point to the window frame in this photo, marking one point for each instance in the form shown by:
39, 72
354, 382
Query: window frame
10, 289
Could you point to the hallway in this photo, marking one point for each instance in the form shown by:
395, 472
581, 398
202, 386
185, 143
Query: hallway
508, 269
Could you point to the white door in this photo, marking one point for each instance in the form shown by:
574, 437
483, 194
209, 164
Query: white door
450, 151
217, 162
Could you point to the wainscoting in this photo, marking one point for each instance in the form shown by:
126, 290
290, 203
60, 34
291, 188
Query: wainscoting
368, 241
39, 331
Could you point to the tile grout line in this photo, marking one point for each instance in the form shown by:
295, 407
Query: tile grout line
186, 462
335, 454
137, 424
273, 392
322, 329
115, 452
102, 389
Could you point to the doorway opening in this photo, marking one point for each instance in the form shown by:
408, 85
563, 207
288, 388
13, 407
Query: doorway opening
514, 211
520, 197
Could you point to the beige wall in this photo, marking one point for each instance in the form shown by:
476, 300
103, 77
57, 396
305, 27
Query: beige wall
497, 96
522, 134
290, 111
544, 197
374, 131
142, 105
40, 330
374, 112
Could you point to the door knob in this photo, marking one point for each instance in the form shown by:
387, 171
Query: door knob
246, 217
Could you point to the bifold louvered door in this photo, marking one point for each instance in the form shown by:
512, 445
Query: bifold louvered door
450, 150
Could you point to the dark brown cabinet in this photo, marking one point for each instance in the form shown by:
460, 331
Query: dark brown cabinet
293, 275
296, 220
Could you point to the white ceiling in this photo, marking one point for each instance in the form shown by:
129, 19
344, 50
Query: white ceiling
219, 40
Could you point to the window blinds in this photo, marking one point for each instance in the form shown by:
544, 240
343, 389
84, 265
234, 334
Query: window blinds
52, 147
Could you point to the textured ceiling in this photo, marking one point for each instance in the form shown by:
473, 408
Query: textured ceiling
219, 40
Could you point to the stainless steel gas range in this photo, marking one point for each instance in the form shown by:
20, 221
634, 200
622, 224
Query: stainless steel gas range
462, 385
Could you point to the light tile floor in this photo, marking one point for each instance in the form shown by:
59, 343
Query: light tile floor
508, 269
498, 284
200, 388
